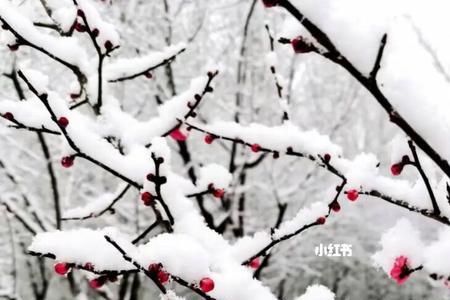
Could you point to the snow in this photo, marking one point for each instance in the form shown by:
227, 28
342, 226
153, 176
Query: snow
80, 246
107, 31
64, 48
131, 131
399, 148
214, 174
436, 254
421, 91
317, 292
179, 261
277, 138
31, 113
65, 16
408, 76
401, 240
193, 251
90, 209
94, 207
355, 26
363, 174
40, 81
271, 59
305, 216
246, 247
171, 296
127, 67
204, 253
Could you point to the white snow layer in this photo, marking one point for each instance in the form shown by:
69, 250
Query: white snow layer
401, 240
317, 292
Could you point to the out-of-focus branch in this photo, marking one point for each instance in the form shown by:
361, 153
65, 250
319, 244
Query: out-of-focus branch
105, 210
273, 70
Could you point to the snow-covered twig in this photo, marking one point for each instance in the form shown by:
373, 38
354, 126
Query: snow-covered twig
159, 180
406, 205
109, 48
287, 234
73, 145
197, 100
368, 82
162, 61
109, 207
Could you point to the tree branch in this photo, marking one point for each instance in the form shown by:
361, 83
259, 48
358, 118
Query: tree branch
395, 117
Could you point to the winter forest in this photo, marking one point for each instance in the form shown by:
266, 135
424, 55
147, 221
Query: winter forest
224, 149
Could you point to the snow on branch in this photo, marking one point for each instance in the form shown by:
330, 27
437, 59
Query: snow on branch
316, 292
130, 68
304, 217
82, 248
284, 139
403, 253
360, 174
97, 207
171, 114
407, 118
65, 50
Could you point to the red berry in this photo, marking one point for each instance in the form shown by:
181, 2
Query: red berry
62, 268
396, 169
74, 96
209, 139
256, 148
63, 122
88, 266
147, 198
255, 263
108, 45
67, 161
149, 75
327, 158
270, 3
95, 32
80, 13
80, 27
163, 276
13, 47
177, 135
335, 206
206, 284
352, 195
218, 193
301, 45
97, 283
154, 268
8, 116
321, 220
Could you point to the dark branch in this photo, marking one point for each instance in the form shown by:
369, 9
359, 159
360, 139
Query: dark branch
377, 65
105, 210
334, 55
